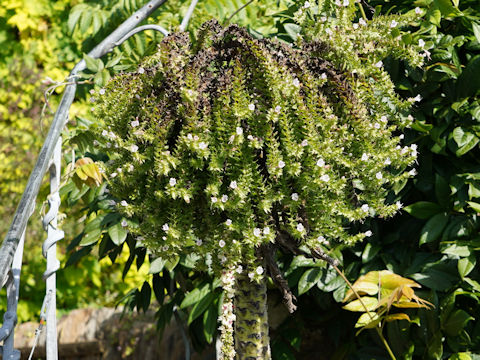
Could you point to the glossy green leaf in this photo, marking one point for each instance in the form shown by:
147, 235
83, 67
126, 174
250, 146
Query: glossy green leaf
423, 209
474, 205
308, 280
210, 323
460, 356
199, 308
476, 30
157, 265
432, 230
91, 237
117, 233
195, 296
456, 321
466, 265
468, 82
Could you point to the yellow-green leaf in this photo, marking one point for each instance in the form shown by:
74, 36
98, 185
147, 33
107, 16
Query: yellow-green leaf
370, 303
399, 316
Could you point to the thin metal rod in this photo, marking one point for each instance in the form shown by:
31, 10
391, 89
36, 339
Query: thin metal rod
27, 202
142, 28
188, 15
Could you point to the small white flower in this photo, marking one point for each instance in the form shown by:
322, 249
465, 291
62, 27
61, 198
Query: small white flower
123, 203
401, 137
134, 148
108, 145
338, 3
172, 181
165, 227
239, 269
266, 230
410, 118
300, 227
251, 107
412, 172
124, 223
278, 108
91, 91
364, 157
221, 243
399, 205
393, 24
368, 233
134, 123
306, 5
325, 178
365, 208
165, 248
223, 259
323, 76
233, 184
295, 197
224, 198
379, 175
250, 137
355, 26
239, 130
259, 270
213, 199
418, 11
104, 133
304, 143
130, 168
376, 126
387, 161
141, 70
257, 232
329, 31
231, 138
228, 222
95, 143
413, 146
323, 19
362, 22
196, 138
202, 145
346, 3
189, 137
101, 91
320, 162
404, 150
417, 98
421, 43
199, 242
281, 164
251, 275
384, 119
379, 64
296, 82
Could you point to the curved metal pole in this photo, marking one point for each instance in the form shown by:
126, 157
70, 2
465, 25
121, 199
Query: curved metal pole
188, 15
142, 28
27, 202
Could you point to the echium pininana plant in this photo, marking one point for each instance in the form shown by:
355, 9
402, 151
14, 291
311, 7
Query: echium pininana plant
230, 147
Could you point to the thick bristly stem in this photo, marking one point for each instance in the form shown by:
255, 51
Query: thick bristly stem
251, 325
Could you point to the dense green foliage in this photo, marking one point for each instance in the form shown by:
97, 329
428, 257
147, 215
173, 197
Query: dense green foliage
436, 247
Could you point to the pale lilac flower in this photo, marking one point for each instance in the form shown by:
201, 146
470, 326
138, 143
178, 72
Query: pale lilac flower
304, 143
418, 11
300, 227
221, 243
355, 26
266, 230
346, 3
101, 91
306, 5
130, 168
368, 233
376, 126
239, 130
213, 199
108, 145
250, 137
412, 172
421, 43
329, 31
251, 275
134, 148
172, 181
325, 178
278, 108
364, 157
123, 203
233, 184
257, 232
189, 137
251, 107
384, 119
281, 164
296, 82
165, 227
124, 223
295, 197
320, 162
224, 198
104, 133
259, 270
323, 19
95, 143
362, 22
323, 76
196, 138
202, 145
141, 70
387, 161
379, 175
365, 208
239, 269
228, 222
393, 24
134, 123
199, 242
379, 64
